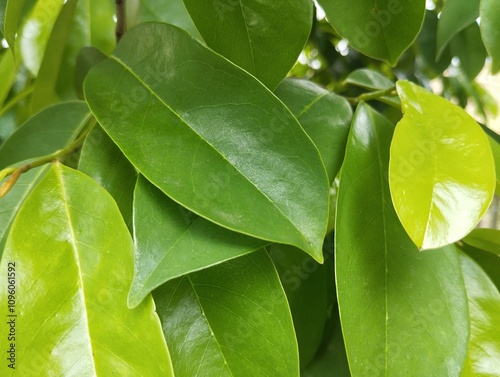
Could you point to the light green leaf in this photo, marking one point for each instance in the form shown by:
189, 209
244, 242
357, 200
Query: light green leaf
397, 306
3, 5
455, 16
45, 133
69, 220
103, 161
96, 20
379, 29
10, 204
483, 358
35, 32
325, 117
13, 12
263, 37
44, 93
484, 239
373, 80
172, 12
468, 47
494, 140
489, 12
305, 284
220, 144
442, 176
229, 320
489, 262
7, 73
171, 241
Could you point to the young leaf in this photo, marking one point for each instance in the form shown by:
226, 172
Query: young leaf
484, 239
263, 37
211, 137
483, 358
442, 176
70, 244
46, 132
489, 12
171, 241
325, 117
382, 30
10, 204
455, 16
229, 320
397, 305
103, 161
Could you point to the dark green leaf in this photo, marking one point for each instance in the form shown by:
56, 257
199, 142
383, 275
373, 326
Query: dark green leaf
484, 239
171, 241
397, 306
263, 37
45, 133
382, 30
220, 144
442, 173
489, 262
172, 12
468, 47
490, 19
455, 16
483, 358
325, 117
230, 320
101, 160
87, 58
73, 258
304, 281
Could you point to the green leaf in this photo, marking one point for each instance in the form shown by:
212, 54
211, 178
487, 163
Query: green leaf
373, 80
397, 306
3, 5
220, 144
172, 12
171, 241
325, 117
13, 13
69, 221
468, 47
442, 176
229, 320
455, 16
489, 262
495, 149
305, 284
96, 21
483, 358
87, 58
35, 33
264, 38
489, 12
103, 161
44, 93
7, 73
45, 133
484, 239
382, 30
10, 204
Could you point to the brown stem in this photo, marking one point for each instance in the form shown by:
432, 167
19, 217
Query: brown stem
121, 19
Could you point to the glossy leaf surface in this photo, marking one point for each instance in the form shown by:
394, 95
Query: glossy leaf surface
455, 16
263, 37
101, 160
69, 220
229, 320
382, 29
489, 12
46, 132
205, 138
442, 176
484, 239
171, 241
483, 358
325, 117
10, 204
391, 323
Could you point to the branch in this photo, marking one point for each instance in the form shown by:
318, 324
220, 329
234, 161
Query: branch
372, 95
121, 19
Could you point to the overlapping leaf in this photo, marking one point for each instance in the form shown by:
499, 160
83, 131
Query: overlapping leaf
442, 176
379, 29
468, 47
373, 80
325, 117
484, 239
489, 11
7, 73
12, 16
229, 320
397, 306
211, 137
263, 37
171, 241
74, 320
